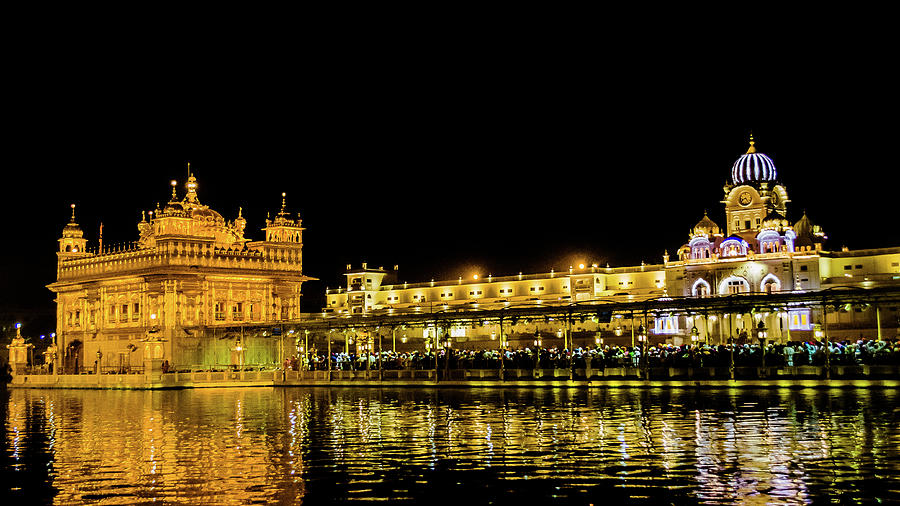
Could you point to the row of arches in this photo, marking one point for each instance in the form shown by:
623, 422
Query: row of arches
735, 284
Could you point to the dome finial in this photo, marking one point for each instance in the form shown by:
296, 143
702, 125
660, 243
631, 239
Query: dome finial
752, 148
753, 167
73, 214
191, 186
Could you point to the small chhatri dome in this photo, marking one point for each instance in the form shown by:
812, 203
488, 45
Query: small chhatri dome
72, 229
775, 220
753, 167
706, 226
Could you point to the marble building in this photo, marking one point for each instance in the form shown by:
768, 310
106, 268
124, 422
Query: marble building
189, 284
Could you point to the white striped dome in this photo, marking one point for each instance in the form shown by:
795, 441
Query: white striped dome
753, 166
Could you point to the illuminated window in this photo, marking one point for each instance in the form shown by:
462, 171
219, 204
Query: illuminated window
701, 288
799, 320
237, 311
123, 315
220, 311
735, 286
665, 325
136, 311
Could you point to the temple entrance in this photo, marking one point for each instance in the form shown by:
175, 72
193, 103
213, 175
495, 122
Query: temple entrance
74, 358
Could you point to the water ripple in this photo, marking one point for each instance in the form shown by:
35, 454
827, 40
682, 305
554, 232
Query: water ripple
482, 446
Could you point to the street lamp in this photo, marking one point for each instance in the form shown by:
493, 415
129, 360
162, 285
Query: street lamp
695, 334
642, 333
762, 333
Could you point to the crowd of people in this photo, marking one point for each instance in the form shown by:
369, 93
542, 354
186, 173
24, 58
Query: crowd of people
860, 352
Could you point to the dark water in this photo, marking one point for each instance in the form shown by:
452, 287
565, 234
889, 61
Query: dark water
292, 445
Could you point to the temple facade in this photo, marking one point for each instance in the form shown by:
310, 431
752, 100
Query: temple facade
759, 250
182, 292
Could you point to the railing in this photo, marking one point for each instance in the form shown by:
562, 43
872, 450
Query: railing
801, 375
138, 258
603, 373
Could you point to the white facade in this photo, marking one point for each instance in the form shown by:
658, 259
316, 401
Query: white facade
762, 253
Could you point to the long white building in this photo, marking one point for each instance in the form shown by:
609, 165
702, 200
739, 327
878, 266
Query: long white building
758, 251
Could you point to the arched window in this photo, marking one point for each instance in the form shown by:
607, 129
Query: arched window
734, 284
699, 247
701, 288
770, 284
733, 248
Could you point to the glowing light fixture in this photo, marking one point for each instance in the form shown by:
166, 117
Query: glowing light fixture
761, 331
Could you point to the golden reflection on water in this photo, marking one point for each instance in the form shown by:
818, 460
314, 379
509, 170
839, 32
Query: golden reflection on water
228, 446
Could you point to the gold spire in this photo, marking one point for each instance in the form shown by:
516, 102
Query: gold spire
752, 148
283, 204
174, 184
191, 185
73, 214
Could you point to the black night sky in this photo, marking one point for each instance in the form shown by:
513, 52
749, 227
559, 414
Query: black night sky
441, 168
